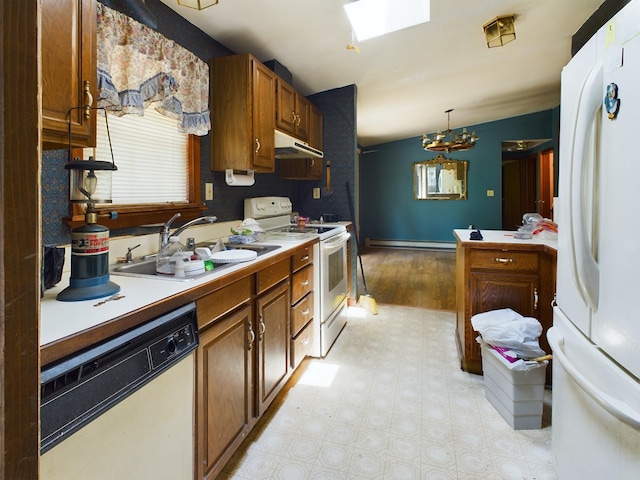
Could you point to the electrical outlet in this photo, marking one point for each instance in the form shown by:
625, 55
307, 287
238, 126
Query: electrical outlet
208, 191
489, 193
316, 193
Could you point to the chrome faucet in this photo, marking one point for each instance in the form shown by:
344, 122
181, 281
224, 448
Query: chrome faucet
165, 233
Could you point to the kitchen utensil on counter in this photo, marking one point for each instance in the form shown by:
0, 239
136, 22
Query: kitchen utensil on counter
330, 217
366, 300
234, 256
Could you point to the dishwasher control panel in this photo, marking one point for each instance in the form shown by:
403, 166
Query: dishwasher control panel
166, 349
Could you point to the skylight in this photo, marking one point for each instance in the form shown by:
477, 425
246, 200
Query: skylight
372, 18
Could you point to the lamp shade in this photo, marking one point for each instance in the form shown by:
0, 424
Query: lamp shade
90, 180
197, 4
500, 31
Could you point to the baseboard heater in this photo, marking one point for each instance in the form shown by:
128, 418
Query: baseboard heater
374, 242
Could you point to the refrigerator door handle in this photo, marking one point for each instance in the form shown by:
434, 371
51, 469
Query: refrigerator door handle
619, 409
586, 272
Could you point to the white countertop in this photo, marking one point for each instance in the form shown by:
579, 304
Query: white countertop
62, 319
507, 237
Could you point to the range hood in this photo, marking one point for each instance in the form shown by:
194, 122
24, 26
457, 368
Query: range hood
290, 147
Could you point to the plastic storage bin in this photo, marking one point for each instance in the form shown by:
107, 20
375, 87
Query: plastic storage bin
515, 393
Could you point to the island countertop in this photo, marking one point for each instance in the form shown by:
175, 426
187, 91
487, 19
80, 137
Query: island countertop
505, 239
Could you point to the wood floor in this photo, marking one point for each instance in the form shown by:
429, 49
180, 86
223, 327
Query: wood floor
420, 278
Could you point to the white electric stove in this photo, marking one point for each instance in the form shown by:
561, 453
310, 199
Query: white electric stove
331, 271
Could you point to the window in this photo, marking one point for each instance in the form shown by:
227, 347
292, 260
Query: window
158, 170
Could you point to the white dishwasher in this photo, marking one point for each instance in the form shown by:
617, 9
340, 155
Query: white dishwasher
123, 408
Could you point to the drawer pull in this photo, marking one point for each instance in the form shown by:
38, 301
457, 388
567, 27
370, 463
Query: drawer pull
304, 283
261, 327
87, 94
305, 312
535, 298
305, 341
252, 337
504, 260
305, 258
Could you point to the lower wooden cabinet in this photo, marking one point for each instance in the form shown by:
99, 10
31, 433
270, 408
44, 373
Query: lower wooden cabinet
224, 390
495, 276
245, 356
272, 331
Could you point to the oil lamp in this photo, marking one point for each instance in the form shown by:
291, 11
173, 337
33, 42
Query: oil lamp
90, 242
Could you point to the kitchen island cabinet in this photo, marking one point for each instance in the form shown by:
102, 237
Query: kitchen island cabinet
69, 73
501, 272
243, 114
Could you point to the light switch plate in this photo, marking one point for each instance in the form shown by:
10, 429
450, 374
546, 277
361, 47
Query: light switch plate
208, 191
490, 193
316, 193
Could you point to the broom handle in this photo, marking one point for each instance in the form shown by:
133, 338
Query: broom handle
355, 229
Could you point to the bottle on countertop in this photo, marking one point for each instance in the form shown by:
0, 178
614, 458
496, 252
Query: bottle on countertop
169, 255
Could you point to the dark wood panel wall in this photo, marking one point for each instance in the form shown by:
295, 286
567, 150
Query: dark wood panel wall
607, 10
20, 239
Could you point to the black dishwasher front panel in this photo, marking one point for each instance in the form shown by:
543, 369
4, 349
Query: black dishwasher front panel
79, 388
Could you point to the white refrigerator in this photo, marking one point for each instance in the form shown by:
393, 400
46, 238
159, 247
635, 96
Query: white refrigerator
595, 336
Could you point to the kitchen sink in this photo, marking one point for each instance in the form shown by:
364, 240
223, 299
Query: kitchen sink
147, 268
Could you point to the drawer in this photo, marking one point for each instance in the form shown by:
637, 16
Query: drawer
301, 313
504, 260
270, 276
222, 301
301, 284
301, 258
301, 344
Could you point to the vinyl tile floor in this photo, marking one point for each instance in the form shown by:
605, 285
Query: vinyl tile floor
390, 402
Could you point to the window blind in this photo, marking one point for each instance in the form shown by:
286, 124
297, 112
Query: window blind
151, 156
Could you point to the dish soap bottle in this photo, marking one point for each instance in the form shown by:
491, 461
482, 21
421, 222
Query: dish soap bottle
167, 257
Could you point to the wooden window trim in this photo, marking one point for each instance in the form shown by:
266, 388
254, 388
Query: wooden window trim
146, 214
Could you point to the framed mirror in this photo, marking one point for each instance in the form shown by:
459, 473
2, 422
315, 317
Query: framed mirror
440, 179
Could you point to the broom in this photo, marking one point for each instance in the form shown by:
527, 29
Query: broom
366, 300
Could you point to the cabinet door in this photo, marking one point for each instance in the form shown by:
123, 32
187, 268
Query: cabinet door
492, 291
264, 90
316, 129
224, 390
69, 72
303, 117
272, 329
286, 108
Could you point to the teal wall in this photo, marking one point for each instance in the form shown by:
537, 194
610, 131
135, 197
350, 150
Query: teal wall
388, 210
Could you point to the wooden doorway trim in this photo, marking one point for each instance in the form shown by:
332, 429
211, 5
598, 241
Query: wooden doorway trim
545, 182
20, 240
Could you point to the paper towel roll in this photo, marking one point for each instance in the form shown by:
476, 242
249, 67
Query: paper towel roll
239, 180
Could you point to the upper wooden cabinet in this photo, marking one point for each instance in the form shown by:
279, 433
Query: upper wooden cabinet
306, 168
315, 128
293, 111
242, 103
69, 73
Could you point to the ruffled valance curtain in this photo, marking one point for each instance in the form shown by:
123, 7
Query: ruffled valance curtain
138, 68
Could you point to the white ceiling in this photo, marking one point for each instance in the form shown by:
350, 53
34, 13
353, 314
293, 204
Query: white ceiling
407, 79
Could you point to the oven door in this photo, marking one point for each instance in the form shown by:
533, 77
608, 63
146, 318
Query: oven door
333, 275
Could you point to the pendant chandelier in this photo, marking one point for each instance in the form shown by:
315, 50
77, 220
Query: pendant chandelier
449, 141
